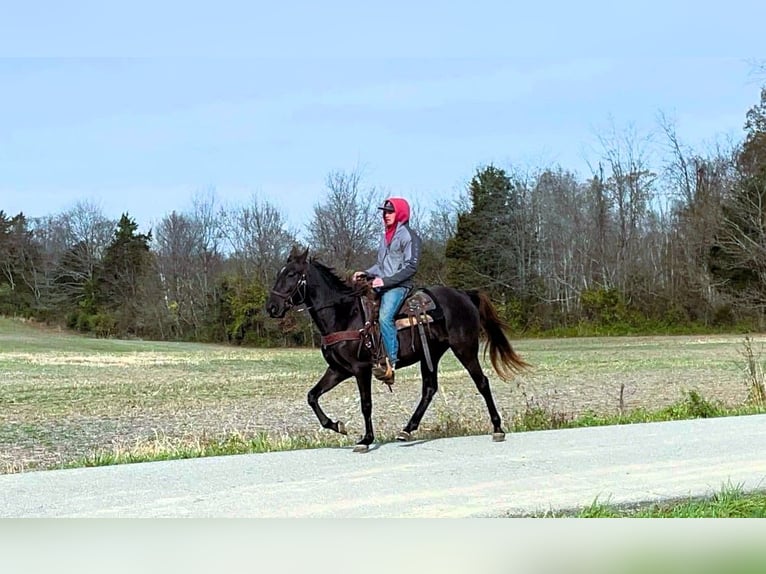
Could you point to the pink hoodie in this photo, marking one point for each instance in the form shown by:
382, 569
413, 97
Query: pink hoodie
401, 215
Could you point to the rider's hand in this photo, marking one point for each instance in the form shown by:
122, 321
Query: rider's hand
377, 282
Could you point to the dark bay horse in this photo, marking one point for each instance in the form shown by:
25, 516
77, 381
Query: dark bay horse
335, 306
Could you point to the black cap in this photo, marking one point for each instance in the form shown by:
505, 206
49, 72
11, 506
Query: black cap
387, 206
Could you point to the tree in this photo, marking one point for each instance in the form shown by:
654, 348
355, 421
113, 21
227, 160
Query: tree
696, 187
738, 255
752, 158
259, 238
565, 239
346, 224
74, 243
19, 259
629, 189
476, 255
260, 241
124, 268
188, 261
435, 233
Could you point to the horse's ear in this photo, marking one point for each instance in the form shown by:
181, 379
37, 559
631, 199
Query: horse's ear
297, 256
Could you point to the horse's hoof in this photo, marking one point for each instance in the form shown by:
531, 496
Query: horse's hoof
361, 448
403, 436
498, 436
342, 428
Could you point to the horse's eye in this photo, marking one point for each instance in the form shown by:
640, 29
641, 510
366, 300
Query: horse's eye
291, 273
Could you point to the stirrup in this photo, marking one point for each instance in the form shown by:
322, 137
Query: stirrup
384, 372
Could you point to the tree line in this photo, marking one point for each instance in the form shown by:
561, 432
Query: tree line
641, 244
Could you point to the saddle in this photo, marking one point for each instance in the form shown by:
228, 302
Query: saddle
417, 311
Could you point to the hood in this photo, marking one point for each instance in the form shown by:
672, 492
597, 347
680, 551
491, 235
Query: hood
401, 209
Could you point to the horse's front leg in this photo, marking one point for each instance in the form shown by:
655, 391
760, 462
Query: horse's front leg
364, 382
329, 381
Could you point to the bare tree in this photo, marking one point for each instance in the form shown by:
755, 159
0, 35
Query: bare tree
435, 232
346, 225
74, 243
19, 259
565, 262
630, 188
758, 69
260, 238
741, 247
696, 188
522, 244
187, 261
10, 244
441, 223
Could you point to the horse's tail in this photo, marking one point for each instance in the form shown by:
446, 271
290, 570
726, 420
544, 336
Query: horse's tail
505, 360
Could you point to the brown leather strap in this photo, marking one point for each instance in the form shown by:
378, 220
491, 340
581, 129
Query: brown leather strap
338, 336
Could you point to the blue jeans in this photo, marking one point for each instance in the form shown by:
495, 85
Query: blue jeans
390, 301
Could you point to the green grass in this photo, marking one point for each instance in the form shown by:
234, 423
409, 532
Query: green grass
70, 400
163, 448
730, 502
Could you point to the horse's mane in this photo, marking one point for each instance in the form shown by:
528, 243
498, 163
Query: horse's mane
331, 277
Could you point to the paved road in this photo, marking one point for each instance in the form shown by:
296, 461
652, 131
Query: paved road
459, 477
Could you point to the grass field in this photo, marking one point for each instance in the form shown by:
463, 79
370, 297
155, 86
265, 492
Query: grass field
71, 400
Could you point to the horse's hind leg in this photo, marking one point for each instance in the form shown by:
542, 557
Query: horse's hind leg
329, 380
430, 386
470, 360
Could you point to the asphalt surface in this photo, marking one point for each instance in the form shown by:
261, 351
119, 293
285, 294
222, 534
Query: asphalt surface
529, 473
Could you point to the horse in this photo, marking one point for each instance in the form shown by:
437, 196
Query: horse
336, 308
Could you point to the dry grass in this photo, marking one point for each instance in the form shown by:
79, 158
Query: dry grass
65, 398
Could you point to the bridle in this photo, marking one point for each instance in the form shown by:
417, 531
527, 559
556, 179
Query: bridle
299, 288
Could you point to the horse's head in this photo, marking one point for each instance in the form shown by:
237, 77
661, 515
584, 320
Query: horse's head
290, 287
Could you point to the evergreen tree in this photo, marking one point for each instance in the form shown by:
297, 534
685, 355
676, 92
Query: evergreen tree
477, 254
752, 159
126, 263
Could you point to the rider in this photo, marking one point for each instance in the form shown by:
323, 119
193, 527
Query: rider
397, 263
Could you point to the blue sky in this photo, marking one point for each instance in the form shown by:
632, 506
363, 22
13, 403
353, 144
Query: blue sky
138, 109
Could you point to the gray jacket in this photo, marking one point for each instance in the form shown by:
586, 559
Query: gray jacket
398, 262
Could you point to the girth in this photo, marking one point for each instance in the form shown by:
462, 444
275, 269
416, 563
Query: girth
339, 336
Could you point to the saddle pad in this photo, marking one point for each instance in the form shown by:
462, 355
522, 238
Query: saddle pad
407, 322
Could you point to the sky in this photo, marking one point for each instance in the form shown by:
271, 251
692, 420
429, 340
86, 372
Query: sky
142, 107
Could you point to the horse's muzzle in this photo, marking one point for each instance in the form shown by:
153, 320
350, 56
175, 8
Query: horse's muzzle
275, 310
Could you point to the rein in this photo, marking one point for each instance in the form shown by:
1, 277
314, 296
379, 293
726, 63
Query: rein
345, 297
301, 286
